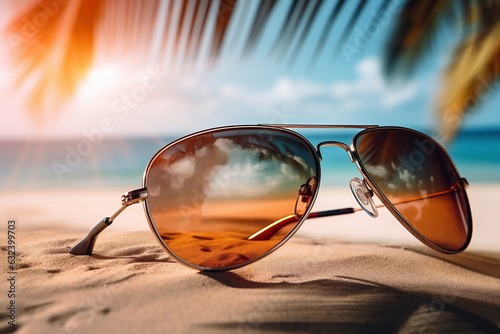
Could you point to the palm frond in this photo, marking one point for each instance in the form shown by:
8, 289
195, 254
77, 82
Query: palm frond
314, 6
329, 23
224, 14
414, 33
168, 32
261, 18
352, 21
59, 52
290, 25
469, 79
474, 65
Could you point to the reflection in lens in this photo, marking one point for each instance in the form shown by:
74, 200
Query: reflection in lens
418, 178
209, 193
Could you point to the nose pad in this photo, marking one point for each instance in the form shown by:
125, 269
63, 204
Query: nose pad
304, 197
364, 196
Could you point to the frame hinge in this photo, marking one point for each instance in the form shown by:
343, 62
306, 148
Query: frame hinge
134, 196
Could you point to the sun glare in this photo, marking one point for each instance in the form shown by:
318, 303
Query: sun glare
98, 81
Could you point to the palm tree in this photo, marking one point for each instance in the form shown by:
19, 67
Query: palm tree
59, 50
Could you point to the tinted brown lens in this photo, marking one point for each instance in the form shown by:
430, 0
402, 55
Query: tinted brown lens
418, 178
209, 195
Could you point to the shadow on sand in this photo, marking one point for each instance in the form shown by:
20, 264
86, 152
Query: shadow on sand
350, 305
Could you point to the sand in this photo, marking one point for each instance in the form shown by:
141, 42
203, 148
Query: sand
323, 280
130, 285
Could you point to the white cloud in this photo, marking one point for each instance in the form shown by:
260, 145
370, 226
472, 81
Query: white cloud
367, 89
370, 89
284, 90
341, 90
288, 90
199, 100
399, 96
179, 171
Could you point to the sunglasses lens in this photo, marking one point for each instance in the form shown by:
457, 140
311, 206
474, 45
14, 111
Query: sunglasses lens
419, 179
223, 198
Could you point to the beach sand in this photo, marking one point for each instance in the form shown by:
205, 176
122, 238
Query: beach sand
347, 274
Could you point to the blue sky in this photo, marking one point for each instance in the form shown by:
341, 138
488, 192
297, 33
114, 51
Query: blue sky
259, 88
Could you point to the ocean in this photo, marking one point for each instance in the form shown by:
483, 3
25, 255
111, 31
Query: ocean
28, 164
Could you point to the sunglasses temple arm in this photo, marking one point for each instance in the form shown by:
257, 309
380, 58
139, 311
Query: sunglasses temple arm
86, 246
267, 232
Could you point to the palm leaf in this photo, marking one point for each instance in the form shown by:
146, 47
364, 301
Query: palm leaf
415, 32
475, 62
329, 23
61, 54
261, 18
469, 79
314, 5
226, 9
352, 21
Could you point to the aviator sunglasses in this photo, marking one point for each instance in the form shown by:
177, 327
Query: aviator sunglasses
223, 198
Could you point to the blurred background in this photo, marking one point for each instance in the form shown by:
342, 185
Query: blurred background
91, 89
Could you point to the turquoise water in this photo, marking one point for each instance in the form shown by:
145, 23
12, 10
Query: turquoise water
121, 163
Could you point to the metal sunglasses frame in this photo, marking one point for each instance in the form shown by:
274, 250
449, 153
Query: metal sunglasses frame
85, 247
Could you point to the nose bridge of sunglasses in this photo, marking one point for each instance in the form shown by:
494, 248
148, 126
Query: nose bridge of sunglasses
364, 196
350, 153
